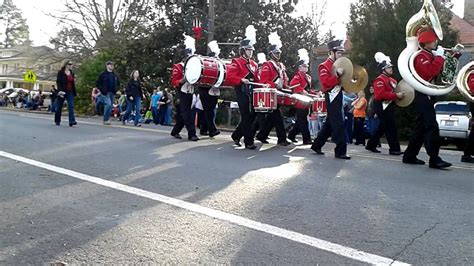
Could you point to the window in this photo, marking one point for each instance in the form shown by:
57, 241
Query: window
452, 108
16, 67
4, 68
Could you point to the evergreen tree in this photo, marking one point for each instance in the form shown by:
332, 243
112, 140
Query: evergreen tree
13, 28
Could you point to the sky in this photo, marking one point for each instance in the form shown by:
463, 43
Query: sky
43, 27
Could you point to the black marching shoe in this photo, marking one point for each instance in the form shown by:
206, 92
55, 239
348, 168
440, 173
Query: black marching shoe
397, 153
237, 142
344, 157
250, 146
374, 150
262, 140
215, 133
439, 164
467, 159
284, 143
307, 142
203, 133
193, 138
317, 151
176, 135
73, 124
413, 161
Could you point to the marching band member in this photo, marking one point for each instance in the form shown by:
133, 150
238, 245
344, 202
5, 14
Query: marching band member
301, 83
273, 73
240, 73
334, 124
257, 125
185, 92
208, 96
428, 64
384, 107
469, 150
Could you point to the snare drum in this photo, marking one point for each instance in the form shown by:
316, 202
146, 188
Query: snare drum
319, 105
204, 70
264, 99
302, 101
285, 99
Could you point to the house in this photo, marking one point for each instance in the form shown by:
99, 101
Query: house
16, 61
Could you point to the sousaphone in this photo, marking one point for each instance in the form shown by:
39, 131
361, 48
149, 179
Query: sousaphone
462, 81
427, 16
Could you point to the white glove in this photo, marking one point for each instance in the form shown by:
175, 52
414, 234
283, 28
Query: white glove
340, 72
131, 98
61, 94
439, 51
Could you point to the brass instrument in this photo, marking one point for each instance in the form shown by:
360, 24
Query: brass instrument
462, 81
427, 16
451, 64
355, 77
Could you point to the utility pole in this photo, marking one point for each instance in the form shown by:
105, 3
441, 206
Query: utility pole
210, 19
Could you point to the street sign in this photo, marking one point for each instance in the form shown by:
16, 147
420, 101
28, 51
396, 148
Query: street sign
30, 76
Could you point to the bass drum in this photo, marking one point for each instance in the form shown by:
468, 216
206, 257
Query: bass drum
204, 71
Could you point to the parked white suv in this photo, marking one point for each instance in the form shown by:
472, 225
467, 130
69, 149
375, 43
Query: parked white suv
453, 120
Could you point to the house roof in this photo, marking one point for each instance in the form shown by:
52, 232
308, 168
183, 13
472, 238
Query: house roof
466, 30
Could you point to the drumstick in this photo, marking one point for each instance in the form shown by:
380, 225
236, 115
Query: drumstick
257, 84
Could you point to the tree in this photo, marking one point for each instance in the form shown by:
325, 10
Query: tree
13, 28
91, 25
380, 26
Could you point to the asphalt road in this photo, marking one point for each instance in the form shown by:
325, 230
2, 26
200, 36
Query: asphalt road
276, 205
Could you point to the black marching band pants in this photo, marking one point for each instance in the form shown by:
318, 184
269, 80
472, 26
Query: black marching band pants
185, 115
301, 126
208, 104
273, 119
333, 127
247, 114
469, 150
426, 130
387, 126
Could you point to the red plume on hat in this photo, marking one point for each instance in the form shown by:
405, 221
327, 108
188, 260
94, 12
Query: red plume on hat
427, 35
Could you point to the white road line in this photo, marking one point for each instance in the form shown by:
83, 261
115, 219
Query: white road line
235, 219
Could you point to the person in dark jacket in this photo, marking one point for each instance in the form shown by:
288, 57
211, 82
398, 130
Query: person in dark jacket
107, 83
65, 83
134, 98
53, 96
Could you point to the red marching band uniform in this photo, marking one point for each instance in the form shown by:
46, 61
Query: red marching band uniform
243, 68
238, 69
303, 79
273, 74
469, 150
302, 83
327, 78
426, 132
269, 74
177, 75
470, 83
383, 88
427, 65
